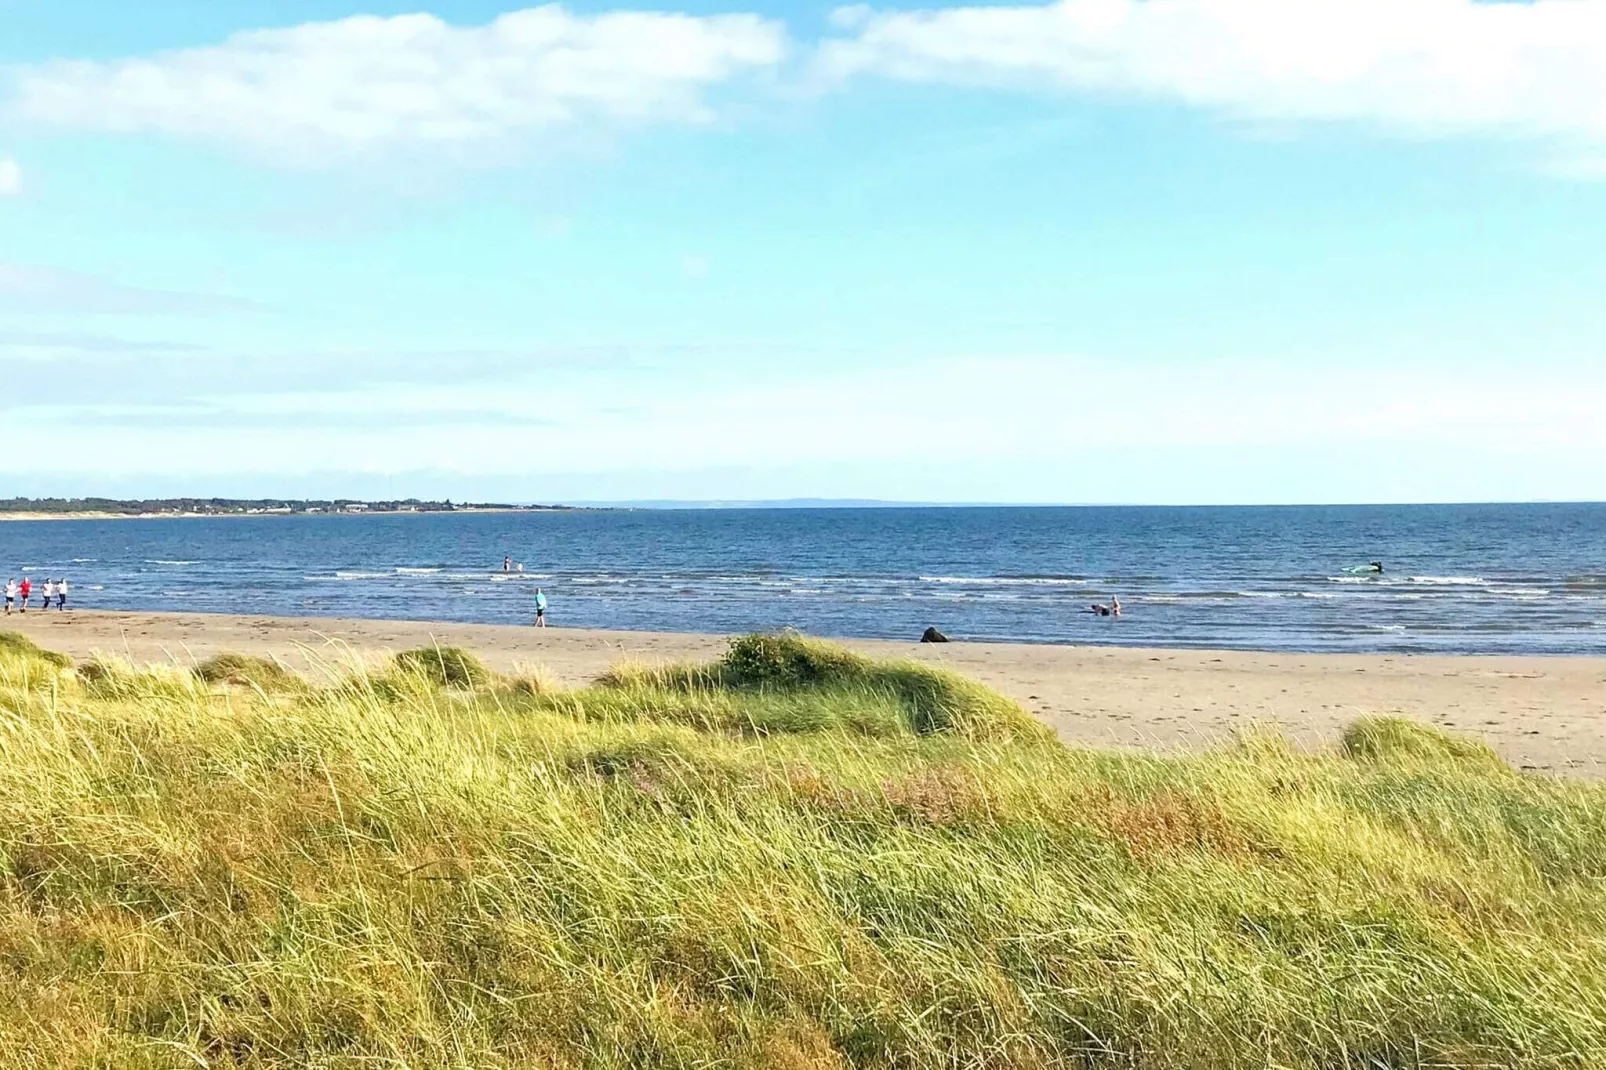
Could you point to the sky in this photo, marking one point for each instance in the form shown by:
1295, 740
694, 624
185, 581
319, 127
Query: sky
1113, 251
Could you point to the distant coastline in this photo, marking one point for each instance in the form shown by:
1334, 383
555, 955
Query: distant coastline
181, 508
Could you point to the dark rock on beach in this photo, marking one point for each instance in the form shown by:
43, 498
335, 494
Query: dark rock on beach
932, 635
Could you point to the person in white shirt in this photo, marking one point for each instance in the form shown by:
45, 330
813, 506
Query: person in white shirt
11, 594
49, 593
61, 594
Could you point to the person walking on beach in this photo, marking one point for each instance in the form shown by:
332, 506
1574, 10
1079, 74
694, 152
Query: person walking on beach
11, 594
26, 591
540, 608
48, 594
61, 595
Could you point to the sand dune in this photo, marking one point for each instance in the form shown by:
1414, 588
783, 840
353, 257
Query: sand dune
1544, 714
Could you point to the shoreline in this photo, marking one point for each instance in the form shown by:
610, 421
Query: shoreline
1544, 713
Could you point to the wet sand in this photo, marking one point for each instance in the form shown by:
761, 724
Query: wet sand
1544, 714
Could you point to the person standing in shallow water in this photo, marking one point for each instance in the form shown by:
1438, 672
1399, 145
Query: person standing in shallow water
540, 608
1111, 610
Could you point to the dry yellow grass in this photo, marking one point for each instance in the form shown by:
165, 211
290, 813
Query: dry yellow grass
788, 859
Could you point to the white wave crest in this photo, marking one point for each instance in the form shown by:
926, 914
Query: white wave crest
1012, 581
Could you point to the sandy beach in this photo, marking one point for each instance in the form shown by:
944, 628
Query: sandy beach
1543, 713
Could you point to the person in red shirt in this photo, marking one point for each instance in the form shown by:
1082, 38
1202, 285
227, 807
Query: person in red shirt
26, 592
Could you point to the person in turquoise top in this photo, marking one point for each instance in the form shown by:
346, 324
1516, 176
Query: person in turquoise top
540, 608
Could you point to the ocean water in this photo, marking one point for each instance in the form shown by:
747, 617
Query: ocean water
1477, 578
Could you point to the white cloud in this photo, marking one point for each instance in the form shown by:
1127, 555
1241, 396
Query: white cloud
369, 82
1414, 66
306, 93
10, 178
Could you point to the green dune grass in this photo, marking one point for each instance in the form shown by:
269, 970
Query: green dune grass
791, 858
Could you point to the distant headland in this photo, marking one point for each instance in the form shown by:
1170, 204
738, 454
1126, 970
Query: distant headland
116, 508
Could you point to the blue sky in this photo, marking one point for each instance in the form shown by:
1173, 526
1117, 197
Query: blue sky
1096, 251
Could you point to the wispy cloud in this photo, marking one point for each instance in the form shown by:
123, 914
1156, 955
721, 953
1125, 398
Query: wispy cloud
33, 288
362, 83
859, 419
224, 418
112, 371
1422, 67
10, 177
57, 347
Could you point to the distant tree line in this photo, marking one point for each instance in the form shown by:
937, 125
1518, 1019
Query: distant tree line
235, 506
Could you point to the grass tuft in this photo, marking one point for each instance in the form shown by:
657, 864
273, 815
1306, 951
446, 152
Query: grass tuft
445, 666
786, 661
1397, 739
110, 677
529, 678
932, 700
19, 646
246, 670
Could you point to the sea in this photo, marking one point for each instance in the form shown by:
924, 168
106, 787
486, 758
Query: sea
1521, 579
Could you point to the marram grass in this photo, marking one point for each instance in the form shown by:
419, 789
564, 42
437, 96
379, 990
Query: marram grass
761, 863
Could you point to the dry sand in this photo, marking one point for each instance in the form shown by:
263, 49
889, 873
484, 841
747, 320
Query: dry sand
1546, 714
